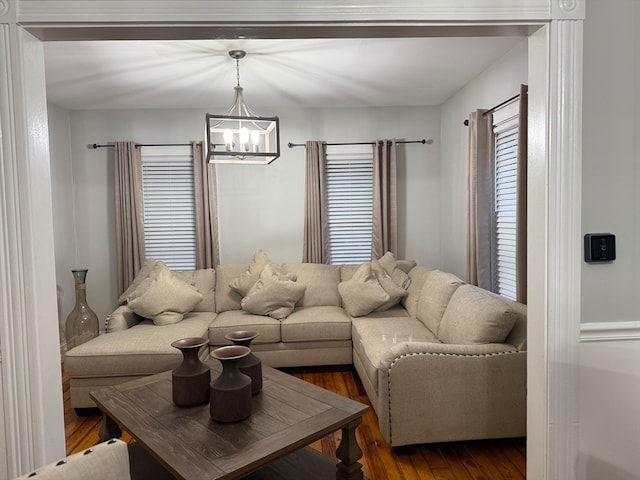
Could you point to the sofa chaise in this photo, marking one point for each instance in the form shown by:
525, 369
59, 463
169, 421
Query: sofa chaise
440, 360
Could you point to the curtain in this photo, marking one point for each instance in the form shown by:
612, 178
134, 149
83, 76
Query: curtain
316, 235
385, 204
521, 198
479, 183
206, 197
129, 213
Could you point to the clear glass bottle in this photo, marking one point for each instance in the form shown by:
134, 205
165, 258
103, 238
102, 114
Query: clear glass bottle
82, 323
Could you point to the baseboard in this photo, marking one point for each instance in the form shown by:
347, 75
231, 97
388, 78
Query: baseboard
609, 331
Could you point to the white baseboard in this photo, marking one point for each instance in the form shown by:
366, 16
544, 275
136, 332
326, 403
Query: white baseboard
608, 331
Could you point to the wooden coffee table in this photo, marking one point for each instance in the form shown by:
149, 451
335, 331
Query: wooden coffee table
288, 415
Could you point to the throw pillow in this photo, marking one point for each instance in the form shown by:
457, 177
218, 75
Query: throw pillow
475, 316
164, 298
244, 282
142, 274
388, 262
274, 294
390, 265
394, 291
363, 293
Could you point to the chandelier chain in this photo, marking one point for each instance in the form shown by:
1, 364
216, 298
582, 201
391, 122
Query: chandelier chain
238, 71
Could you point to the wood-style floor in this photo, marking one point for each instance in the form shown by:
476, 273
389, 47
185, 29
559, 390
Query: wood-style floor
477, 460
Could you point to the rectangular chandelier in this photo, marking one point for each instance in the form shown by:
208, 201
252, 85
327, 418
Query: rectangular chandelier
249, 140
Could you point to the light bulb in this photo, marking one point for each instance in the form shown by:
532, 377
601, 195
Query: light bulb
228, 139
255, 140
244, 139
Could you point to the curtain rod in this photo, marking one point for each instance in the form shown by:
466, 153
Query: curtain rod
493, 109
95, 145
423, 141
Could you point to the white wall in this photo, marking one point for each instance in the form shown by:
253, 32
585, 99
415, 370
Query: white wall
611, 157
609, 411
63, 211
259, 206
610, 350
496, 84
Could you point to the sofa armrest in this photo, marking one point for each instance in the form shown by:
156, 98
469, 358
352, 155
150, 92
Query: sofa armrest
458, 392
122, 318
428, 348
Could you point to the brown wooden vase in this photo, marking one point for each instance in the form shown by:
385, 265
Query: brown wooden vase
230, 398
190, 380
251, 364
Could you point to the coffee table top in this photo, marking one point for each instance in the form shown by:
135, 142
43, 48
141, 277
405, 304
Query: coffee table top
288, 414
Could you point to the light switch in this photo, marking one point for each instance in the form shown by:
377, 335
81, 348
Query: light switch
599, 247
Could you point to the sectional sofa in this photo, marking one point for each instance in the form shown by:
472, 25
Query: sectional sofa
440, 360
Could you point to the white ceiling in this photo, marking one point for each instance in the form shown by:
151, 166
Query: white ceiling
311, 73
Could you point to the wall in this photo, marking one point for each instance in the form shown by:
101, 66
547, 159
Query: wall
65, 239
611, 152
496, 84
259, 206
610, 347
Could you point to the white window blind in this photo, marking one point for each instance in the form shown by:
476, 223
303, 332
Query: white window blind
169, 206
349, 184
505, 127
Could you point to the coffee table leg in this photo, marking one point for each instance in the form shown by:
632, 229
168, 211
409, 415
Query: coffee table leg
109, 429
349, 453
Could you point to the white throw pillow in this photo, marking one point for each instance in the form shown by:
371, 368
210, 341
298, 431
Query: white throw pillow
164, 298
244, 282
274, 294
143, 273
395, 292
363, 293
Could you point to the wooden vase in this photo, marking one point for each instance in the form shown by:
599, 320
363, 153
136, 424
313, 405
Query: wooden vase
251, 364
230, 398
190, 380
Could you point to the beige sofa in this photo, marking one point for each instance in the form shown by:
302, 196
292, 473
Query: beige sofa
447, 362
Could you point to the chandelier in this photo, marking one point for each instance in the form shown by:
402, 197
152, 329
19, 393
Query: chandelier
241, 136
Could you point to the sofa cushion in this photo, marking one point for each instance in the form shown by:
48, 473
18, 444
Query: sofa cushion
363, 293
434, 298
163, 297
316, 323
274, 294
418, 275
373, 337
243, 283
204, 280
143, 273
226, 298
321, 282
474, 316
394, 290
143, 349
232, 320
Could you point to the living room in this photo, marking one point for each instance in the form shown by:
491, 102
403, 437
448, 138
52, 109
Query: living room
591, 442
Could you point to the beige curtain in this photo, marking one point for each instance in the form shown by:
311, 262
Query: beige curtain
385, 203
206, 197
480, 185
316, 234
521, 198
129, 213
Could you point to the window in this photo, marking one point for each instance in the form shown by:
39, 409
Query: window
349, 184
169, 206
505, 129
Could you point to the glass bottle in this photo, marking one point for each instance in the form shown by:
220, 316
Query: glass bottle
81, 324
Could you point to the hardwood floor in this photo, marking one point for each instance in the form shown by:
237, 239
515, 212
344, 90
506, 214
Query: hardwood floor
477, 460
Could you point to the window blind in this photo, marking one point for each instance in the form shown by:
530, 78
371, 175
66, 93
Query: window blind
169, 206
349, 184
505, 188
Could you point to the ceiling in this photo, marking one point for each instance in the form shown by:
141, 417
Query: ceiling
354, 72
